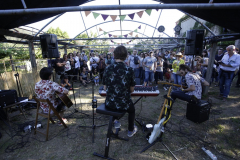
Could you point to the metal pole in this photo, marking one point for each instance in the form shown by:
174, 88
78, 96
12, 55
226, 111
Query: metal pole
48, 24
84, 24
120, 20
210, 66
169, 37
121, 38
24, 4
200, 23
195, 6
157, 22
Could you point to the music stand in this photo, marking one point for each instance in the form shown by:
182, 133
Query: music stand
94, 105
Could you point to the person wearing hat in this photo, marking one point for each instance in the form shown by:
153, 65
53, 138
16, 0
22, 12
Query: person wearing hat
175, 66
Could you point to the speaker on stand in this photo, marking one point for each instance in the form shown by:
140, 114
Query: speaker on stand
49, 46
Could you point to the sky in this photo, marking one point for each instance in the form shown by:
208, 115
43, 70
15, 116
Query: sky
72, 22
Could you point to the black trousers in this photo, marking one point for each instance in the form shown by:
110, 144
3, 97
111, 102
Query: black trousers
131, 116
76, 70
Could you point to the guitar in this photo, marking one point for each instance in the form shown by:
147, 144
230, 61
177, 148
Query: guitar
64, 98
159, 128
172, 84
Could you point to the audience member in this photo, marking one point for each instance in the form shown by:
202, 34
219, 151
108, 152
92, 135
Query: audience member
175, 66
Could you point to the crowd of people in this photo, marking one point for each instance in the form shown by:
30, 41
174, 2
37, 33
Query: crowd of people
149, 67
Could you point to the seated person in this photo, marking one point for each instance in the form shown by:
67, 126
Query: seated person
45, 89
168, 75
194, 91
65, 83
119, 82
96, 76
83, 77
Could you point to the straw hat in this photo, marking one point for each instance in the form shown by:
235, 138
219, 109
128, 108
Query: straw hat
179, 54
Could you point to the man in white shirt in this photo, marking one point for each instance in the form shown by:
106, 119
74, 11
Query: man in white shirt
131, 63
228, 65
77, 65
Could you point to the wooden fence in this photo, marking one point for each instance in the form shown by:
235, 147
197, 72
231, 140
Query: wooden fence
27, 76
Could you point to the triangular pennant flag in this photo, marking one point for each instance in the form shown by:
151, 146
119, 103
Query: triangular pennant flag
95, 15
140, 14
104, 33
118, 43
130, 41
127, 42
139, 27
100, 29
115, 43
131, 33
104, 16
113, 17
109, 35
120, 36
87, 13
157, 10
114, 36
122, 17
112, 41
125, 35
148, 11
131, 16
135, 30
136, 35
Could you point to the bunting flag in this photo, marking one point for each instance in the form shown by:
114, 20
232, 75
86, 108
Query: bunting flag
120, 37
112, 41
140, 14
127, 42
131, 33
135, 30
104, 33
104, 16
122, 17
131, 16
114, 36
87, 13
118, 43
125, 36
109, 35
139, 27
113, 17
115, 43
148, 11
136, 35
157, 10
95, 14
100, 29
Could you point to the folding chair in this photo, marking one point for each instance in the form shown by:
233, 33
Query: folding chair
46, 115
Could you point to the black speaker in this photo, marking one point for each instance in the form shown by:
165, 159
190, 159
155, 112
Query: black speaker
198, 113
194, 42
49, 46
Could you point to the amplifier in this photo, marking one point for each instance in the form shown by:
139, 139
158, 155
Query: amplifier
8, 97
198, 113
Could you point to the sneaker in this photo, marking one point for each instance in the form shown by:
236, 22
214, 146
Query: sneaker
117, 124
131, 133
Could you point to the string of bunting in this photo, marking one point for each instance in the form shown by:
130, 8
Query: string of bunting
115, 36
122, 17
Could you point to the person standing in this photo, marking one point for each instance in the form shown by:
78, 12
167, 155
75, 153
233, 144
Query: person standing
175, 66
59, 68
159, 70
101, 66
77, 65
119, 82
133, 61
228, 65
150, 67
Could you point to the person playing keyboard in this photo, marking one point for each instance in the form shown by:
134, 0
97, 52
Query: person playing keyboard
119, 82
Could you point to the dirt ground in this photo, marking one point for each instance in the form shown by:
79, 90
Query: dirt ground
220, 134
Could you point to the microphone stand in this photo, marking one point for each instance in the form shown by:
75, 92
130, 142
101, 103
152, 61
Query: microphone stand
18, 83
94, 105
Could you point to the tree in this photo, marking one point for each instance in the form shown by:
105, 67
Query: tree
58, 32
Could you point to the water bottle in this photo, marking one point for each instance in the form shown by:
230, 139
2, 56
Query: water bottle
209, 153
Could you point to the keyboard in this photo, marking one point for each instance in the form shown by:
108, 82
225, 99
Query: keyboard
138, 91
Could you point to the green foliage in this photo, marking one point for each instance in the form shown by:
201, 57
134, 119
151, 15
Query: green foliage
58, 32
182, 19
21, 53
225, 43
